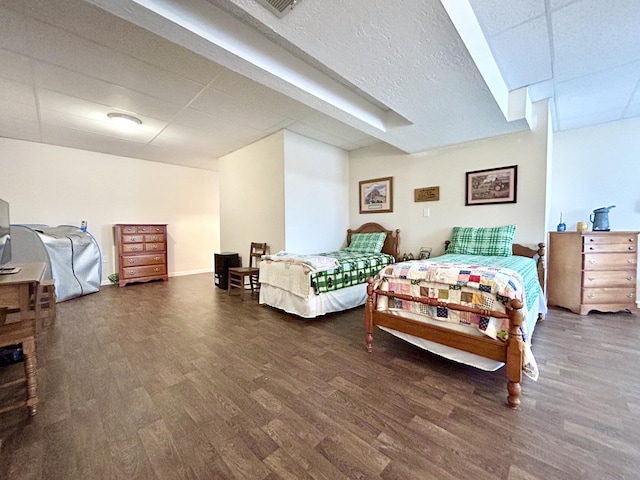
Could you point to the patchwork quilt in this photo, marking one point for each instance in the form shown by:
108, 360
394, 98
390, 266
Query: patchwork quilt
490, 286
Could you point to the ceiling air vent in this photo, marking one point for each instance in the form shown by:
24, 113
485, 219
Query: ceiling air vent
278, 7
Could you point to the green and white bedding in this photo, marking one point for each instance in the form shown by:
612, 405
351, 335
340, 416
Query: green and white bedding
308, 275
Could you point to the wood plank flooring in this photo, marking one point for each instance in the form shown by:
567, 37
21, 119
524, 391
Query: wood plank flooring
176, 380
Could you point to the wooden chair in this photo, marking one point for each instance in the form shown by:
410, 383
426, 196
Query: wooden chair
239, 275
48, 301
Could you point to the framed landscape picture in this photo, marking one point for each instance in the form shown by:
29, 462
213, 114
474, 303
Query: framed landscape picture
376, 196
496, 185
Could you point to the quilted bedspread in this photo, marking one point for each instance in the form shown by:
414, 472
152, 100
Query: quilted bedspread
300, 278
489, 286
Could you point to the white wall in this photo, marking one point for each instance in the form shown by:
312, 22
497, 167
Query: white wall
252, 196
287, 190
63, 186
446, 168
597, 167
317, 195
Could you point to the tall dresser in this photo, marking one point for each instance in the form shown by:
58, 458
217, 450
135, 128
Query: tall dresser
593, 271
142, 252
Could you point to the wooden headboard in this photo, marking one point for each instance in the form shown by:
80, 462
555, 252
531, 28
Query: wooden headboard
391, 243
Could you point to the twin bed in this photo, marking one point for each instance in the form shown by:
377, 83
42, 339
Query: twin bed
478, 304
313, 285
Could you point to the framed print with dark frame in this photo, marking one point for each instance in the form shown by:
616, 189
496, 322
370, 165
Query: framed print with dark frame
495, 185
376, 196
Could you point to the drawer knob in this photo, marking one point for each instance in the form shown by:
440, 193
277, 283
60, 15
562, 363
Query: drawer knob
629, 278
156, 269
591, 240
154, 247
591, 279
590, 248
131, 260
591, 295
134, 248
630, 295
631, 248
631, 260
592, 261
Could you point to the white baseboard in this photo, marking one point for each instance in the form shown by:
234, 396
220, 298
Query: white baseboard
174, 274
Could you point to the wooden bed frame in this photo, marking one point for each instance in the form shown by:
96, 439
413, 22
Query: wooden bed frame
391, 243
510, 352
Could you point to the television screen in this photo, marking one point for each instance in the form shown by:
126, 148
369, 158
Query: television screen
5, 237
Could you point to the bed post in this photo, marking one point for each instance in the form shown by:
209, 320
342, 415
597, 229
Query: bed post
368, 315
541, 264
515, 354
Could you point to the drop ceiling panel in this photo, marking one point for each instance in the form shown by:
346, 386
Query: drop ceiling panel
591, 36
254, 93
15, 67
497, 16
73, 53
110, 95
124, 37
236, 111
591, 99
328, 125
523, 53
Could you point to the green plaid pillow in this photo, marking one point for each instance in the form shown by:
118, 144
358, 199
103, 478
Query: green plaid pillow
367, 242
490, 241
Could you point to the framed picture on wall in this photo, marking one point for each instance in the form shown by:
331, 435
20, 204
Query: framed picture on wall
496, 185
376, 196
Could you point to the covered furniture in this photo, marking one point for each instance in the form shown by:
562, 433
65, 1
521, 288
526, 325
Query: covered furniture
238, 276
479, 308
72, 257
316, 284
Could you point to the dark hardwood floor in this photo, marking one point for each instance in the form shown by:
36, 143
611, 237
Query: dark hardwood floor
176, 380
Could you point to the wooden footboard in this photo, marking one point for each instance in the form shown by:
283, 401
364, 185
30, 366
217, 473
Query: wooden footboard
510, 352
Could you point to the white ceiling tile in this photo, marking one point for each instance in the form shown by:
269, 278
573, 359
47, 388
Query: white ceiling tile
251, 92
15, 67
335, 128
73, 84
606, 92
16, 91
496, 16
103, 28
592, 36
235, 110
523, 53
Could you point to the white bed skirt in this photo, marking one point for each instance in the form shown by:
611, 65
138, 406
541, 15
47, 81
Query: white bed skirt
315, 305
461, 356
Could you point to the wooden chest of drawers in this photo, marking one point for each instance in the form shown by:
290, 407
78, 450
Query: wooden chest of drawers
593, 271
142, 253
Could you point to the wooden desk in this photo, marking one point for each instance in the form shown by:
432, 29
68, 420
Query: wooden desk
19, 293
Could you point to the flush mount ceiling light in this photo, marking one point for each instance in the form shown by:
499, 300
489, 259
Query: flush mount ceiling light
124, 119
